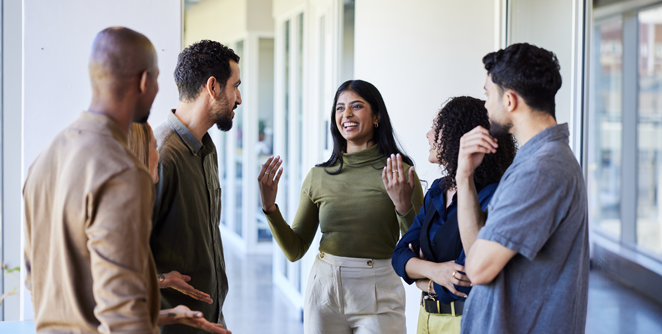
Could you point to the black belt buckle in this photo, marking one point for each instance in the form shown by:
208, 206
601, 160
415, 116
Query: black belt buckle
432, 305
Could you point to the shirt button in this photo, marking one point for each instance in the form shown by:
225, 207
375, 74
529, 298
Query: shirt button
370, 263
434, 243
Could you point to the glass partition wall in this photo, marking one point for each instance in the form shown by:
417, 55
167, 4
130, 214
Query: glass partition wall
247, 145
314, 53
604, 156
625, 129
649, 131
288, 139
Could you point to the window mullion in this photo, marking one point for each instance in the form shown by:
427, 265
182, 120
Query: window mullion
629, 155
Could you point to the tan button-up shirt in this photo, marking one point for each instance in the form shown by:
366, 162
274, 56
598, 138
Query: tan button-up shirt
88, 207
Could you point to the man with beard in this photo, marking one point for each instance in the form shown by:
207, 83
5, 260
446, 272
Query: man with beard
186, 236
528, 256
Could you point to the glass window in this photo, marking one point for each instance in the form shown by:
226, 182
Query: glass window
265, 139
284, 188
649, 131
238, 155
300, 102
297, 267
607, 120
222, 170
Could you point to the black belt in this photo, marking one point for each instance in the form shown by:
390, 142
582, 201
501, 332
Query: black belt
433, 305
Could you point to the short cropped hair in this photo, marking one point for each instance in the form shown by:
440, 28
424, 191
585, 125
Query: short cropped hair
200, 61
530, 71
140, 136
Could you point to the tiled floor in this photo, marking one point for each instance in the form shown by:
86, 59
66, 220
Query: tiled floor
255, 306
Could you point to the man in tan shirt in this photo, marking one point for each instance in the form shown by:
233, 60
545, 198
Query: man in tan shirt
88, 207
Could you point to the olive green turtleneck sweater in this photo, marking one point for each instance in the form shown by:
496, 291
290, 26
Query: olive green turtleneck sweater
355, 214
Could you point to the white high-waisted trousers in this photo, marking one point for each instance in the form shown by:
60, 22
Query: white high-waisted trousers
353, 295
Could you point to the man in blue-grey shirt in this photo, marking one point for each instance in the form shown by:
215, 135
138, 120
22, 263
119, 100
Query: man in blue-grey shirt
527, 256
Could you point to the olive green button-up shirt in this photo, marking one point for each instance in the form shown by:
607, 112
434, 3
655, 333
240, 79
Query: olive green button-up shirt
88, 210
187, 213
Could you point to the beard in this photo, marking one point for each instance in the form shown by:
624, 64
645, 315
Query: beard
223, 116
498, 130
141, 116
143, 120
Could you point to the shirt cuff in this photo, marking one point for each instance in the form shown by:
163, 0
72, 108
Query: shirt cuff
276, 214
405, 257
409, 216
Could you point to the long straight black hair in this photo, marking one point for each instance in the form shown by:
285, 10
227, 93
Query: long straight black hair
383, 135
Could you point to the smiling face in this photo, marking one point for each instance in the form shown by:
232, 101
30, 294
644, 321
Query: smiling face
355, 119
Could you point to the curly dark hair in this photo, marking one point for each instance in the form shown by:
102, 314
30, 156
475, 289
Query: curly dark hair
532, 72
458, 116
198, 62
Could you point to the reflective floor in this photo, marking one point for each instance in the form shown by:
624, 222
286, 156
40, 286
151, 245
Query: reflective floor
613, 308
254, 305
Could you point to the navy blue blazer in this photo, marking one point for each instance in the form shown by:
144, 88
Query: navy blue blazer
434, 200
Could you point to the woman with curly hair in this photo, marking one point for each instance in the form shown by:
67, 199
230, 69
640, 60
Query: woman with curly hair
431, 252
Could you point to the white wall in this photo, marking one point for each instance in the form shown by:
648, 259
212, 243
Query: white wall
549, 25
425, 52
56, 43
11, 151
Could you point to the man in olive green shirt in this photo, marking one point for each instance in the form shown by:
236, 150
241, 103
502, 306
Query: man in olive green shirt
186, 235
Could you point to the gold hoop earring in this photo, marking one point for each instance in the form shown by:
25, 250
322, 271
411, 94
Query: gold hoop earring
376, 125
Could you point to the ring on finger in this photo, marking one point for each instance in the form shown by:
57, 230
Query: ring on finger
454, 274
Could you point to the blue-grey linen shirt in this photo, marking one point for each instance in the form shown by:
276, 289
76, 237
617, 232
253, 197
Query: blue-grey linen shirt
539, 211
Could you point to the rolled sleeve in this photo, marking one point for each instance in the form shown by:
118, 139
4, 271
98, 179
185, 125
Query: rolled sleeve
526, 213
118, 241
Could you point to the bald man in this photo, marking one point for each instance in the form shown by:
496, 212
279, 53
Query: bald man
88, 207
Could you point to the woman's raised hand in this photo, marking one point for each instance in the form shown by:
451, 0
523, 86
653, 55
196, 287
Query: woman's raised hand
268, 181
398, 188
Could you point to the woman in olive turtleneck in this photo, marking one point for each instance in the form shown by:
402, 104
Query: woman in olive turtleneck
352, 286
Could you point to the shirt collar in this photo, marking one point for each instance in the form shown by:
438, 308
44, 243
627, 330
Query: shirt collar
552, 133
193, 144
368, 155
101, 124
